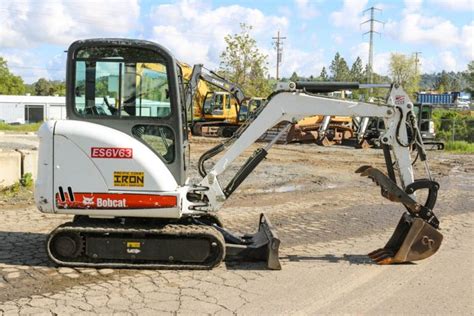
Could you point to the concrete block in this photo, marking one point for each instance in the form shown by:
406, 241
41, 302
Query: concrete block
10, 167
30, 163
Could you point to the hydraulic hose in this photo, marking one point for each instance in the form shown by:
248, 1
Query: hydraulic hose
412, 128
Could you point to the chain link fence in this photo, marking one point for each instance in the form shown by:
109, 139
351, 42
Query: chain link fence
453, 126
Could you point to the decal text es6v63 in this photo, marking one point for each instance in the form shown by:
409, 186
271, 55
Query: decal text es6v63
112, 152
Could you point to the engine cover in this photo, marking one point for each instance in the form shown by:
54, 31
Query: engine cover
90, 169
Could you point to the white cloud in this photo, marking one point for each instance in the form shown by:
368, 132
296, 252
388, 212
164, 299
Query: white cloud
22, 63
448, 61
417, 28
445, 60
306, 9
194, 31
304, 63
453, 45
350, 15
30, 23
412, 6
458, 5
338, 39
467, 41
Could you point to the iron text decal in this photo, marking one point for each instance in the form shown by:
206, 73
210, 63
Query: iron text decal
112, 152
129, 179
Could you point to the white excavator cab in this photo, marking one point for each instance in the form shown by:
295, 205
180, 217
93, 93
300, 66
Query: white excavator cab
125, 133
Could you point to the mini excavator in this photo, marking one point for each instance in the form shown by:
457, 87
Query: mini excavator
119, 164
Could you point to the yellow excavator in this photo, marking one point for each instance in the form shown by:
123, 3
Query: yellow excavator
215, 113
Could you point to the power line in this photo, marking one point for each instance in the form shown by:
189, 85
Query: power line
371, 32
279, 48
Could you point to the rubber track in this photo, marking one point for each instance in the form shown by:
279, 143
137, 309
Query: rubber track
170, 229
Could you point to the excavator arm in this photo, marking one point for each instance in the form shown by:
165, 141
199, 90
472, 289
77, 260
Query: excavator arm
416, 236
199, 73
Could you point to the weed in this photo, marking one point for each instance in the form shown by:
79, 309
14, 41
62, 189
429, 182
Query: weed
25, 183
460, 146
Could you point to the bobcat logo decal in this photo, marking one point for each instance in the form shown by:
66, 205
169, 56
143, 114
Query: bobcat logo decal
88, 201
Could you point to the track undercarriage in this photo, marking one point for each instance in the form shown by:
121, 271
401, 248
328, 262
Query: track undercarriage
191, 243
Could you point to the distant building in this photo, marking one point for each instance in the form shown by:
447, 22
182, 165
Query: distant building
23, 109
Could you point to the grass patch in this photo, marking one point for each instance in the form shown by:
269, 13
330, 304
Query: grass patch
460, 146
20, 128
25, 183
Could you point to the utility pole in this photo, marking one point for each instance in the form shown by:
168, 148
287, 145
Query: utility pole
371, 32
416, 61
279, 48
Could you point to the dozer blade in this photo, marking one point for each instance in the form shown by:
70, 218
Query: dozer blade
261, 246
413, 239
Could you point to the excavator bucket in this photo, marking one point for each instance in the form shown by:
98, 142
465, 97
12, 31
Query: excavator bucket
413, 239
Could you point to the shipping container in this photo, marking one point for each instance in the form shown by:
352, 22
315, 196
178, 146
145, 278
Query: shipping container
441, 99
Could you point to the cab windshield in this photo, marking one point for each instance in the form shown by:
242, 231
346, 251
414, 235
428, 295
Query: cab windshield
121, 82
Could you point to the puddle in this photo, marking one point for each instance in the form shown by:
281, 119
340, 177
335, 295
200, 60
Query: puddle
291, 188
288, 188
282, 189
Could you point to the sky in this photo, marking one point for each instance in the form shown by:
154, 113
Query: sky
35, 33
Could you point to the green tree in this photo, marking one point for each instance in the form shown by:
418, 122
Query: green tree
403, 72
243, 63
448, 121
55, 87
9, 83
59, 87
294, 77
357, 71
366, 74
469, 76
43, 87
443, 82
339, 69
324, 74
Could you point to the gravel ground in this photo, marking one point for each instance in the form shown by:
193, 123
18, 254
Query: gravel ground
327, 217
18, 141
